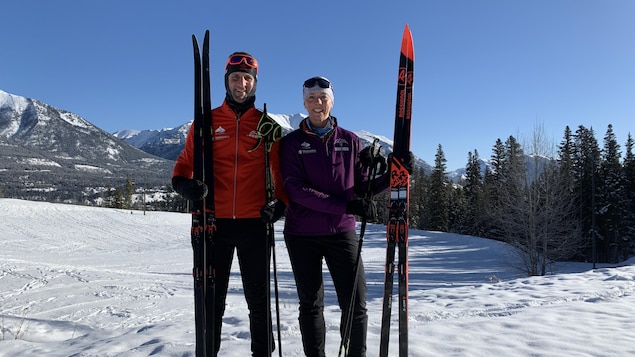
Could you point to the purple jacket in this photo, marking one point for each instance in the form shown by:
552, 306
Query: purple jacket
319, 176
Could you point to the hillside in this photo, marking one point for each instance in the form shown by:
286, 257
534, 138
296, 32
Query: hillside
47, 153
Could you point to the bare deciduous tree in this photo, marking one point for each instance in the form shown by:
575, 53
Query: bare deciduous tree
536, 211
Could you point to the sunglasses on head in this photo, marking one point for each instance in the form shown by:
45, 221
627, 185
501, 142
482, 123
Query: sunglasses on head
238, 59
312, 82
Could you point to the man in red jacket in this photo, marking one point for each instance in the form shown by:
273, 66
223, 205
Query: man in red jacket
239, 196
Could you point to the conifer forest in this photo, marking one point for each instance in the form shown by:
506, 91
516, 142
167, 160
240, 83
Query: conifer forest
572, 202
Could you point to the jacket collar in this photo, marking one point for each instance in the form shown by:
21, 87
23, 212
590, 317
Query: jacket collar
306, 127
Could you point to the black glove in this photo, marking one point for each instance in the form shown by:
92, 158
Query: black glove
272, 211
369, 160
366, 157
363, 207
409, 161
190, 189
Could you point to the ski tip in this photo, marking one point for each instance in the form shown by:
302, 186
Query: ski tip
195, 44
407, 47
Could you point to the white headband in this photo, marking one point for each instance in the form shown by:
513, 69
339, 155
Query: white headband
317, 89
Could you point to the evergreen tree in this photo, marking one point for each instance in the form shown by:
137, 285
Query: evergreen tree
513, 168
128, 191
566, 155
438, 194
611, 202
492, 190
568, 175
629, 184
585, 165
418, 190
566, 151
511, 201
511, 207
118, 198
456, 210
474, 215
108, 197
382, 207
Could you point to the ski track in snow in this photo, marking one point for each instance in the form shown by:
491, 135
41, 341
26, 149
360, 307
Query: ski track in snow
82, 281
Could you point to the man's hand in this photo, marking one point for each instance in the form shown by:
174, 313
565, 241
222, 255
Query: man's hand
272, 211
193, 190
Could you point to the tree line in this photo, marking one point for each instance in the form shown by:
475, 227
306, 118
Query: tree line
575, 205
574, 201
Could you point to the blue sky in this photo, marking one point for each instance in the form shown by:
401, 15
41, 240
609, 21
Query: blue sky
484, 69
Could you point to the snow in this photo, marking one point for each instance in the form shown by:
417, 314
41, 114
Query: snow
74, 119
91, 168
287, 121
15, 103
368, 136
113, 152
128, 133
39, 162
138, 137
89, 281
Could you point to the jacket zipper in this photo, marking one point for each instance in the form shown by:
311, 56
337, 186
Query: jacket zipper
326, 138
236, 166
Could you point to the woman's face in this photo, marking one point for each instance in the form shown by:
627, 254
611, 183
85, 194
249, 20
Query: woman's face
318, 105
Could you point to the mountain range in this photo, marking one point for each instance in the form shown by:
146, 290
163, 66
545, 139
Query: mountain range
51, 154
169, 142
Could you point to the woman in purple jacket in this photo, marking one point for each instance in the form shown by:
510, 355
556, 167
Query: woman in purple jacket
325, 181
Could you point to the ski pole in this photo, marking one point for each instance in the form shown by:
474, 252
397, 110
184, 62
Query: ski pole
348, 321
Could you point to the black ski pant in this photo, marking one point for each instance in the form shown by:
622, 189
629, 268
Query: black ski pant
340, 252
248, 238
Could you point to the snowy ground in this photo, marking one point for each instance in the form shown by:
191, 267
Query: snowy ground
82, 281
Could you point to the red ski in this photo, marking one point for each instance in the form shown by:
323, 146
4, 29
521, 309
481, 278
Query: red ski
398, 202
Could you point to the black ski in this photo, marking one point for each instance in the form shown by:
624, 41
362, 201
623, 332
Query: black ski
203, 217
398, 202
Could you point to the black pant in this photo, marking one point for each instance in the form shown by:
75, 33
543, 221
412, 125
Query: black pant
340, 252
249, 239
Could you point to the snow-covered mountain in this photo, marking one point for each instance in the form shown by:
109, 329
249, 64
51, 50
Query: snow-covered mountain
53, 154
168, 143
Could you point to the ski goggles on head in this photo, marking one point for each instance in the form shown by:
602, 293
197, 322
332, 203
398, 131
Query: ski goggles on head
319, 81
237, 59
